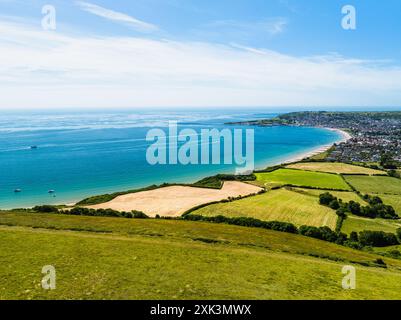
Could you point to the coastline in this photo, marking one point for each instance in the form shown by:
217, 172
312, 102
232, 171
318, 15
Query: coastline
344, 136
299, 157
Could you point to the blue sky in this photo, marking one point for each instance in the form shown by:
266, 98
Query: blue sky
200, 53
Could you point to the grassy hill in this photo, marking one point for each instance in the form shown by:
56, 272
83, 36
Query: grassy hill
302, 179
114, 258
277, 205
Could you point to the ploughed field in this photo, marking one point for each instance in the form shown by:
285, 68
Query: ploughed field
116, 258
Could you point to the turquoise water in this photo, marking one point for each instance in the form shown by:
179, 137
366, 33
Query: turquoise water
83, 154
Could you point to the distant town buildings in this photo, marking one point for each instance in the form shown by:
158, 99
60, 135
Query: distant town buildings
374, 133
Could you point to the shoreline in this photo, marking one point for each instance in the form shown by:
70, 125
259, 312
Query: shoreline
345, 137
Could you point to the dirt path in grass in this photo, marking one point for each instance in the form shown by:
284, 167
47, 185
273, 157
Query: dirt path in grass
174, 201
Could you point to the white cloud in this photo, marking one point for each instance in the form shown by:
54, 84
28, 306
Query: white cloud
40, 69
272, 26
117, 17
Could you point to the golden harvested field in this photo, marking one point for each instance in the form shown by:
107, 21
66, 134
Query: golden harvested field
174, 201
334, 168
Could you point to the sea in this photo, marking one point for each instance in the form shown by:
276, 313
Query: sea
65, 156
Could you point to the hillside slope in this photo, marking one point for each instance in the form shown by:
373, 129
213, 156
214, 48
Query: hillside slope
116, 258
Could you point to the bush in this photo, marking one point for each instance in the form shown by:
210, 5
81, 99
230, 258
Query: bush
322, 233
354, 236
379, 211
393, 173
341, 212
326, 198
380, 262
334, 204
46, 209
377, 239
395, 253
353, 244
376, 208
354, 208
372, 200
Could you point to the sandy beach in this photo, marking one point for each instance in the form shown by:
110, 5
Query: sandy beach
175, 200
345, 137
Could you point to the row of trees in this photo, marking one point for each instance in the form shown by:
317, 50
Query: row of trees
79, 211
246, 222
375, 209
376, 238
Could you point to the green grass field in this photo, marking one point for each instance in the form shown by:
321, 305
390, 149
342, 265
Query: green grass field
375, 185
111, 258
392, 200
331, 167
346, 196
355, 223
302, 179
277, 205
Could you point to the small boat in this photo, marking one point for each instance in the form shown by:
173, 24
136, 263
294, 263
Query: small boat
52, 191
34, 147
17, 190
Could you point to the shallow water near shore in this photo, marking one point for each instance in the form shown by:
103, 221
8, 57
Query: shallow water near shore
84, 154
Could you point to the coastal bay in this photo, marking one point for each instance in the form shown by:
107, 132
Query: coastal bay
80, 155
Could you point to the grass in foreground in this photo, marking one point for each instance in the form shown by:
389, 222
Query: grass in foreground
335, 167
302, 179
375, 185
277, 205
157, 259
355, 223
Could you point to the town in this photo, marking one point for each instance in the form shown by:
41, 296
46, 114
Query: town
376, 136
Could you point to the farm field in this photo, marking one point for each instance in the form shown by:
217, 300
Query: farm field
277, 205
173, 201
160, 259
333, 167
392, 200
346, 196
375, 185
355, 223
302, 179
